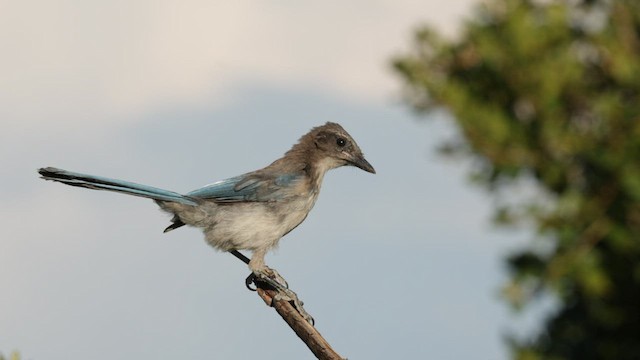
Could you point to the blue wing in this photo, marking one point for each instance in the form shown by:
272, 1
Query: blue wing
249, 187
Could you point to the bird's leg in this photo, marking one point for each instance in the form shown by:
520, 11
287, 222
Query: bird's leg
261, 272
264, 273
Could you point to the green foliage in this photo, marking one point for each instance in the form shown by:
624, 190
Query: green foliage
550, 91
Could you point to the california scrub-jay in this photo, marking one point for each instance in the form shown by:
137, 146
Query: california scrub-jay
251, 211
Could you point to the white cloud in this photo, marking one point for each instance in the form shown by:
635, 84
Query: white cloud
66, 62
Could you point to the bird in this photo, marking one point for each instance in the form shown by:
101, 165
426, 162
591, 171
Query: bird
252, 211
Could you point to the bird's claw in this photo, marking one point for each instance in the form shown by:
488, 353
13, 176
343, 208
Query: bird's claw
273, 279
250, 280
293, 299
268, 276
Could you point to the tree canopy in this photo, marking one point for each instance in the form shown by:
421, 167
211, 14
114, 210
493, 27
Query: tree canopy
549, 91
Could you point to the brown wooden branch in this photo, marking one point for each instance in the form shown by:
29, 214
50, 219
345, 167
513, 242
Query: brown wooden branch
305, 331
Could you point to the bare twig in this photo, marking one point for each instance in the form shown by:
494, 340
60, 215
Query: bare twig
305, 331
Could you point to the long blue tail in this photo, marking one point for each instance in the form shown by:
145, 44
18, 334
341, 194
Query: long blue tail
102, 183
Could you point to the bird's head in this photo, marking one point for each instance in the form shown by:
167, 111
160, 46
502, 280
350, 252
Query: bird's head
333, 147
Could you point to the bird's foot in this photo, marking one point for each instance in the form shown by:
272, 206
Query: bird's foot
293, 299
268, 276
273, 279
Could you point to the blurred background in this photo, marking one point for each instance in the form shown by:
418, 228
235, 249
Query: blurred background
503, 221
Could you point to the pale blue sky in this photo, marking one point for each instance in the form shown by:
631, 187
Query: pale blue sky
401, 264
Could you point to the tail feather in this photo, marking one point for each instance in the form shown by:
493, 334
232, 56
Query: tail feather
103, 183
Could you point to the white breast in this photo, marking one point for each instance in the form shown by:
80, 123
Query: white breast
253, 226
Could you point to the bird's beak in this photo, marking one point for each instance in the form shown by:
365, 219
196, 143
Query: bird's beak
362, 163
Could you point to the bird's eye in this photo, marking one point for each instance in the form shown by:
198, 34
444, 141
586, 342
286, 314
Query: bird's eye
341, 142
